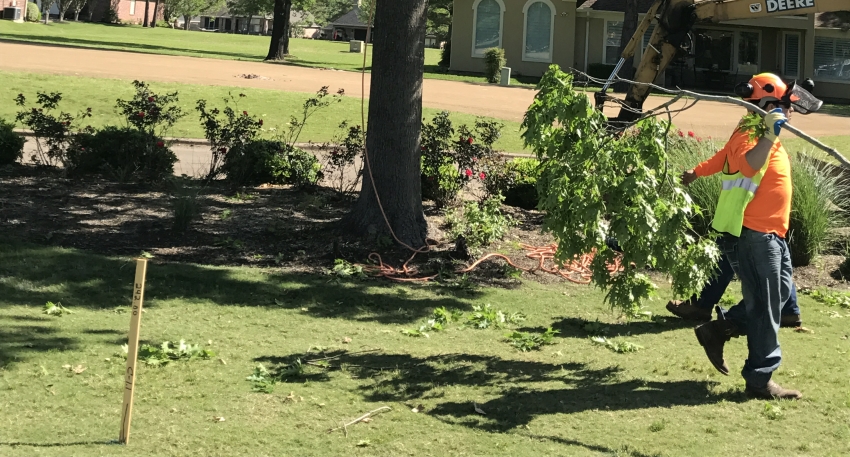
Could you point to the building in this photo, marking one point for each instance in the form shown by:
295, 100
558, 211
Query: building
585, 35
347, 27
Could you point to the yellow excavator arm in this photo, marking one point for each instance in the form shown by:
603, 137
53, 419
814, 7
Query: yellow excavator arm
675, 19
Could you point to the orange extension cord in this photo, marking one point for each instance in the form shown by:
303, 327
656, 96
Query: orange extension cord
577, 271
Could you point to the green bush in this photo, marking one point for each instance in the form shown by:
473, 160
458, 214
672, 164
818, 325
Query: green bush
816, 208
479, 223
515, 179
494, 60
11, 144
446, 55
33, 13
272, 162
122, 153
685, 152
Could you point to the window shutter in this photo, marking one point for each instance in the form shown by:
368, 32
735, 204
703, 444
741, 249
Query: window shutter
538, 32
792, 55
832, 58
487, 25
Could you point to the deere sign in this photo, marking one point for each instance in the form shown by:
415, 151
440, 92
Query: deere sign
787, 5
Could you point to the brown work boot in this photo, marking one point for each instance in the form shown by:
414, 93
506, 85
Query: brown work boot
773, 391
686, 310
791, 320
713, 336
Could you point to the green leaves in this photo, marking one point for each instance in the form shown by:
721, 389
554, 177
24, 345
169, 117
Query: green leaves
486, 317
55, 309
597, 185
618, 346
525, 341
479, 224
167, 352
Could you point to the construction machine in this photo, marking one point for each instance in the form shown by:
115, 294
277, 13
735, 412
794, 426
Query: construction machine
674, 21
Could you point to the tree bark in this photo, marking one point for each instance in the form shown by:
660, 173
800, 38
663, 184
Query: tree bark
630, 24
279, 45
147, 10
395, 123
186, 20
155, 12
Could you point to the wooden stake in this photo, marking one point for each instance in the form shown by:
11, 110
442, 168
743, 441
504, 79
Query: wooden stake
133, 350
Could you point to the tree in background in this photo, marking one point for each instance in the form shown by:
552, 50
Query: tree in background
147, 10
249, 9
440, 19
191, 8
279, 45
325, 11
155, 13
64, 6
76, 7
393, 144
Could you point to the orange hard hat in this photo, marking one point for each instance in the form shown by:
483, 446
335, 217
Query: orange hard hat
765, 88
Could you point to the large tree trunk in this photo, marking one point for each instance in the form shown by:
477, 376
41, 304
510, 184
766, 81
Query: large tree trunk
155, 12
395, 122
147, 10
630, 24
279, 46
186, 20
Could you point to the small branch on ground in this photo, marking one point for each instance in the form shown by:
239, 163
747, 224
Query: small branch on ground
344, 427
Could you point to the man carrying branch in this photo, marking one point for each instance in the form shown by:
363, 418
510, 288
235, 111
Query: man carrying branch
752, 216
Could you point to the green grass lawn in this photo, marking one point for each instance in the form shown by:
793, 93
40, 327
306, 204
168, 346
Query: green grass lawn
572, 398
276, 106
839, 142
161, 40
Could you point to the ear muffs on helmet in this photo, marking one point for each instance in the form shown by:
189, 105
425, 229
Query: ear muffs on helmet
744, 90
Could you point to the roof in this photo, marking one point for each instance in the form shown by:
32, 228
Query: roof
350, 19
615, 5
833, 20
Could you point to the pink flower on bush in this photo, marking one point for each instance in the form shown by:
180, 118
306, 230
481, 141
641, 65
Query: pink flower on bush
699, 140
160, 144
691, 134
141, 114
244, 113
481, 175
469, 140
261, 122
475, 159
681, 134
150, 99
468, 172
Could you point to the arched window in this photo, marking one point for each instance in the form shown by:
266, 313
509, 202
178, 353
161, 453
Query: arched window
538, 31
487, 25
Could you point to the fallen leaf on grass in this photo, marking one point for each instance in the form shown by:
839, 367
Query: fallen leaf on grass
79, 369
218, 419
478, 410
803, 330
363, 443
346, 340
223, 362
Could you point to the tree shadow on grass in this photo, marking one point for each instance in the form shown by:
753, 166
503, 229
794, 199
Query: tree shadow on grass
526, 387
126, 46
18, 341
574, 327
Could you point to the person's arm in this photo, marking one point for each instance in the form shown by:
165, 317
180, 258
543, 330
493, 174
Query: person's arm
706, 168
757, 156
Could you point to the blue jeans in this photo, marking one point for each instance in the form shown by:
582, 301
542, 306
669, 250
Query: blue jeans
713, 291
763, 263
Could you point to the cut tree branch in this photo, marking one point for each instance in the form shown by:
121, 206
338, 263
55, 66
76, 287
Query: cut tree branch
344, 427
722, 99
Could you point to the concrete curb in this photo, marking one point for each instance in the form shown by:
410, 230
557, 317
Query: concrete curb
306, 146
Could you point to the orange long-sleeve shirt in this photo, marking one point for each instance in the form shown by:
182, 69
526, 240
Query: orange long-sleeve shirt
770, 209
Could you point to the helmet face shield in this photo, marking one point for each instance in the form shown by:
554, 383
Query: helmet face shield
801, 100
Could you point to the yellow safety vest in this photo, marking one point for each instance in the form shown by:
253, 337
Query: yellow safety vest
737, 192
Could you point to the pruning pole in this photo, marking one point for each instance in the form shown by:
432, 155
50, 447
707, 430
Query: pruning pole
133, 350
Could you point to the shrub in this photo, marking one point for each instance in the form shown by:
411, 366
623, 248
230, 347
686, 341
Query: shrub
448, 164
345, 147
816, 205
446, 55
272, 162
121, 153
53, 131
185, 204
515, 179
228, 133
33, 13
11, 144
494, 60
479, 223
149, 112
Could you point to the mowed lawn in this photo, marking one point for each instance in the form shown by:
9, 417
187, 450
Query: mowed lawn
163, 40
61, 377
274, 106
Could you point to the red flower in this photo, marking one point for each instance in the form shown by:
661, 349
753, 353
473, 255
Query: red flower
475, 159
244, 113
468, 172
423, 148
150, 99
261, 122
481, 175
691, 134
699, 140
82, 149
141, 114
469, 140
160, 144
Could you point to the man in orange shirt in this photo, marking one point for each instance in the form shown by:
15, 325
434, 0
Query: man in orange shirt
760, 169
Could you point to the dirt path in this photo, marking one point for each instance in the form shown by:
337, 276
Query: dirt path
509, 103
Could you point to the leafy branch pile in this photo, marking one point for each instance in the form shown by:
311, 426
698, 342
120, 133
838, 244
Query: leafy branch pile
167, 352
482, 317
262, 380
55, 309
525, 341
828, 297
597, 184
